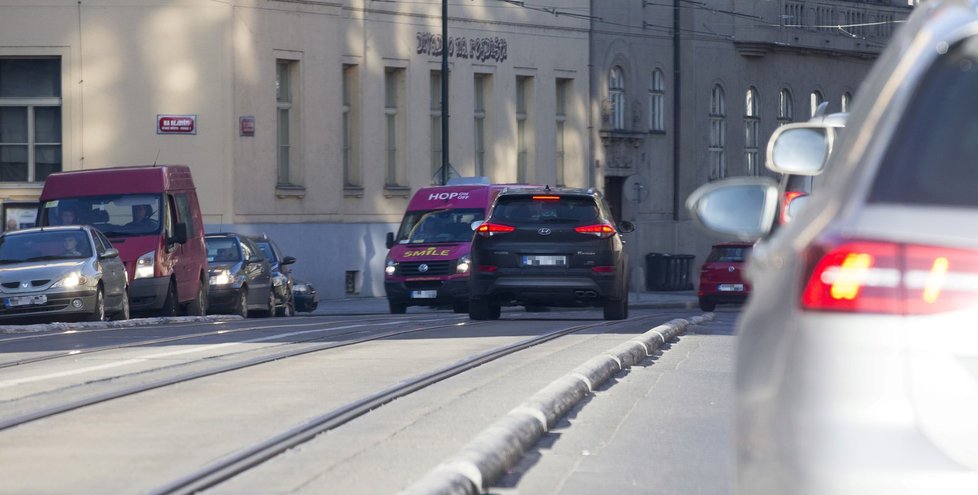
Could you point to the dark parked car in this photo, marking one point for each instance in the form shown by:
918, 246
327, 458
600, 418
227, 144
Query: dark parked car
240, 276
721, 276
306, 297
283, 283
549, 247
61, 273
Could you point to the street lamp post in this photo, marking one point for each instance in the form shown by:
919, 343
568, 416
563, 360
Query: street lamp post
444, 92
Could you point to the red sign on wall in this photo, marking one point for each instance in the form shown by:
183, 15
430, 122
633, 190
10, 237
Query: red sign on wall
176, 124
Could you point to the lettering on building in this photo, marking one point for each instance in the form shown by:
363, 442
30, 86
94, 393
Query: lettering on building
479, 49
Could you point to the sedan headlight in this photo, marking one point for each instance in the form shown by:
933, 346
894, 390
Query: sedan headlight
145, 265
299, 288
71, 281
221, 277
279, 280
464, 263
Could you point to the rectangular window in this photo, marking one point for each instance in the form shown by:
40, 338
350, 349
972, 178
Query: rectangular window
286, 89
563, 88
30, 119
351, 116
480, 124
436, 134
394, 116
523, 85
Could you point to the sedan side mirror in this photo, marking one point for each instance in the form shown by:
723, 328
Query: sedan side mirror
800, 149
288, 260
110, 253
741, 207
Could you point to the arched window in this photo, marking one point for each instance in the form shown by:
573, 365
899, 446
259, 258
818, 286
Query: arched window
657, 102
752, 127
616, 93
815, 100
846, 101
786, 109
718, 132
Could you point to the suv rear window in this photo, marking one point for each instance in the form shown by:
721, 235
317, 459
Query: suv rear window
932, 160
546, 209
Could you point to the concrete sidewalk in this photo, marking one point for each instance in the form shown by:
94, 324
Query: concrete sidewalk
666, 299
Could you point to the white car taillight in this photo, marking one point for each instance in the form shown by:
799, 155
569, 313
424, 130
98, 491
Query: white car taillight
892, 278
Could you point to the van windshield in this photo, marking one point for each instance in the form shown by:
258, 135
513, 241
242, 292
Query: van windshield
117, 215
439, 226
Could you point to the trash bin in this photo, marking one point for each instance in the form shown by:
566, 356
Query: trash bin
665, 271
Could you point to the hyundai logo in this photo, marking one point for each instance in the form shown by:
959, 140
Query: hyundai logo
544, 231
423, 267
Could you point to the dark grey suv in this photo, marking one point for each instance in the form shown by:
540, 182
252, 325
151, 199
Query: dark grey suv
549, 247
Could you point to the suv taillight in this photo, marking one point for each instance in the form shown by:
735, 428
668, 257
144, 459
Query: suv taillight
601, 230
490, 229
893, 278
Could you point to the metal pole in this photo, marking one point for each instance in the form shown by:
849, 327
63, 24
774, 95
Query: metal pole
444, 92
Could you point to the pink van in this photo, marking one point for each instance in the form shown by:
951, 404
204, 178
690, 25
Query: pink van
428, 258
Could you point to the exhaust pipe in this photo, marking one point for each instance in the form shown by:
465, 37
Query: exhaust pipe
585, 294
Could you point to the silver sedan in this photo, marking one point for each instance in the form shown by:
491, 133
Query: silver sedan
60, 273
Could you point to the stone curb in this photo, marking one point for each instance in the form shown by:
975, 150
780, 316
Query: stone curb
500, 446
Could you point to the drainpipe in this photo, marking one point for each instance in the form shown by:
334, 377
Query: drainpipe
676, 111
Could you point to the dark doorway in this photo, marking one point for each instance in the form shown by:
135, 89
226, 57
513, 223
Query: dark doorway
613, 194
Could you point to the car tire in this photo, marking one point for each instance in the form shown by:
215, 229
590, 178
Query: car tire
198, 307
170, 306
288, 307
269, 309
241, 304
616, 309
707, 305
123, 313
483, 310
397, 308
98, 312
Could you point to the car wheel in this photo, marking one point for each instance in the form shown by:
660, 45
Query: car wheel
123, 313
616, 309
198, 307
483, 310
170, 303
288, 307
241, 305
98, 313
269, 305
707, 305
460, 307
397, 308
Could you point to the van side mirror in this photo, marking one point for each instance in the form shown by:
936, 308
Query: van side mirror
390, 240
179, 234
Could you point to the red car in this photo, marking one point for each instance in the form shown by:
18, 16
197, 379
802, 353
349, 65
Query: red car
721, 279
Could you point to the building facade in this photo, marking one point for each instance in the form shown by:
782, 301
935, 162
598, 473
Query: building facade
314, 121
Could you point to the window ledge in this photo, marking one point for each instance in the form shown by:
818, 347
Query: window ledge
353, 191
289, 191
397, 191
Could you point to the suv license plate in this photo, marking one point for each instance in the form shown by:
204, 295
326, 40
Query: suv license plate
544, 260
424, 294
731, 288
26, 300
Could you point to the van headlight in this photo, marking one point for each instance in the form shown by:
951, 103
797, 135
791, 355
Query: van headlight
145, 265
391, 267
70, 281
464, 263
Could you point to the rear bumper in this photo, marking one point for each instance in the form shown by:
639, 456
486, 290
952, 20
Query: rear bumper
553, 290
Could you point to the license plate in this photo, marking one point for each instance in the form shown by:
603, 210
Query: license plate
424, 294
731, 288
544, 260
26, 300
